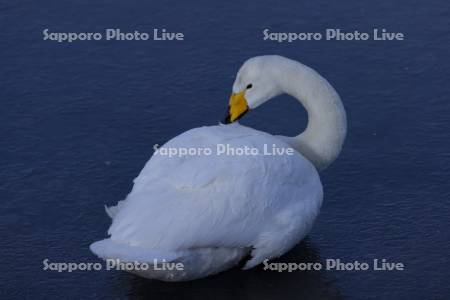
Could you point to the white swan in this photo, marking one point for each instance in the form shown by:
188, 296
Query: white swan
209, 211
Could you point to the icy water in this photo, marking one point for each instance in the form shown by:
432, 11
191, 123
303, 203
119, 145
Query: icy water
79, 121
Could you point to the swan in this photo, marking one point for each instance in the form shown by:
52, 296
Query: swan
190, 216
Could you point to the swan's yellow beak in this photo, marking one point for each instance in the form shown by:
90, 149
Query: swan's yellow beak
237, 107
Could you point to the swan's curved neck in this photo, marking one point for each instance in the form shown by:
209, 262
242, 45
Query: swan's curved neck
325, 133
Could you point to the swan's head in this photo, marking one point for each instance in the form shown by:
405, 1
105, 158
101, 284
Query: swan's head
256, 82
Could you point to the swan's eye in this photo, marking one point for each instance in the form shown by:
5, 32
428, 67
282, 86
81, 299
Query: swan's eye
249, 86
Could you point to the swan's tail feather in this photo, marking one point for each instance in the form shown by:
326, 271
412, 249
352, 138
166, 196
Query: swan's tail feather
149, 263
108, 249
169, 265
112, 211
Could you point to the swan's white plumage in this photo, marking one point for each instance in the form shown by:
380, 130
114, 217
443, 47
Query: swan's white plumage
216, 201
209, 211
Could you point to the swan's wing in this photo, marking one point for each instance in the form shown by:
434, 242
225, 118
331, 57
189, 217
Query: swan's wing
198, 201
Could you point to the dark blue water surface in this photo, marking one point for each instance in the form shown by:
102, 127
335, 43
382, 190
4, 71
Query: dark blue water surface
78, 122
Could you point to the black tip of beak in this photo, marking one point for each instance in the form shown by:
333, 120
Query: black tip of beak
226, 120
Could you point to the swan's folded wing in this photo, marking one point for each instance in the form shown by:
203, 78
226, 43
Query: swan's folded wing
212, 200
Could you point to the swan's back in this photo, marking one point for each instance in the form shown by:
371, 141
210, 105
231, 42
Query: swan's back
218, 200
211, 200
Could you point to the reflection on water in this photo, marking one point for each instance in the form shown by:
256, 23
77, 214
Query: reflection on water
252, 284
